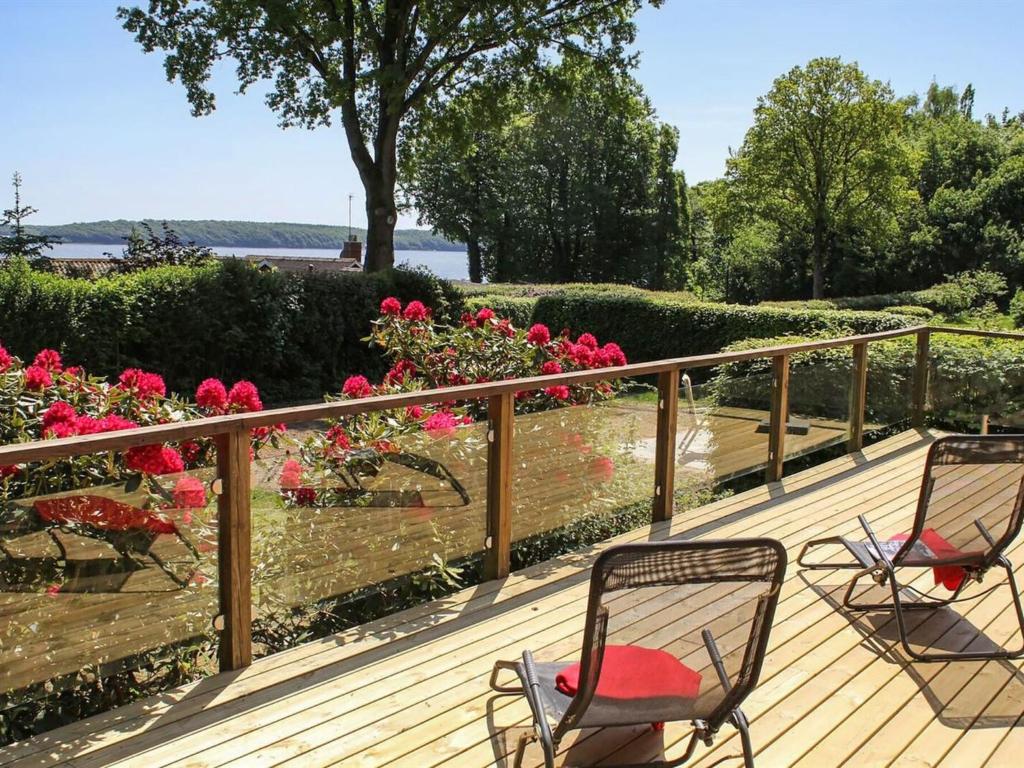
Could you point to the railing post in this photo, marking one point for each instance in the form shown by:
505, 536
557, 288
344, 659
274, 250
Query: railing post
665, 447
234, 553
498, 556
920, 379
858, 397
779, 418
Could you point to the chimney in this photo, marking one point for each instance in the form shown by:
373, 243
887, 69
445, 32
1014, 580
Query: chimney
352, 249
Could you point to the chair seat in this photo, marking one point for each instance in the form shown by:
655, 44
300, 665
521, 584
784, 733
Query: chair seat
921, 554
609, 711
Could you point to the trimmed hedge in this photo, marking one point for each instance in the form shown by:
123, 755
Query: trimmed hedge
650, 326
296, 336
518, 309
968, 377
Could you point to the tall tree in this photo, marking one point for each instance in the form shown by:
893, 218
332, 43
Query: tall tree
670, 226
19, 242
374, 63
824, 155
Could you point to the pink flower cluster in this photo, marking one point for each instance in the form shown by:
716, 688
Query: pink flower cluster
244, 397
6, 359
357, 387
415, 311
141, 384
61, 420
154, 460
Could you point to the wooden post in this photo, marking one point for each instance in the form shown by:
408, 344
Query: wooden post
665, 447
234, 554
779, 418
920, 380
984, 423
498, 557
858, 397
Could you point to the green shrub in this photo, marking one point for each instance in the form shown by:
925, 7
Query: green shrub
958, 294
968, 377
296, 336
911, 311
1017, 308
518, 309
650, 327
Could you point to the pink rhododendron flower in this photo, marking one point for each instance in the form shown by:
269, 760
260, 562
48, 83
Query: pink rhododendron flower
391, 306
588, 340
291, 474
400, 372
37, 378
74, 372
357, 387
559, 392
189, 492
581, 355
338, 440
551, 367
504, 328
8, 470
142, 384
440, 424
602, 469
212, 394
189, 451
59, 411
414, 412
485, 313
416, 310
154, 460
538, 334
6, 361
49, 359
468, 320
613, 354
53, 590
245, 397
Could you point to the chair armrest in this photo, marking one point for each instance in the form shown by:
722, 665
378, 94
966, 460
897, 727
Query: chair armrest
716, 659
874, 541
985, 532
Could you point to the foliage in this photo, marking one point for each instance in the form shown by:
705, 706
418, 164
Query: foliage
652, 326
295, 335
912, 311
1017, 308
377, 64
20, 242
968, 377
562, 176
147, 249
824, 156
518, 309
247, 234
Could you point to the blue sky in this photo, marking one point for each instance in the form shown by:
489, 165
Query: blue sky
98, 133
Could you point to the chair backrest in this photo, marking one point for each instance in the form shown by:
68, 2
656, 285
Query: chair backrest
970, 479
664, 595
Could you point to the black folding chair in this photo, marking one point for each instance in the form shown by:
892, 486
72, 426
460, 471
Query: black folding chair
705, 607
969, 510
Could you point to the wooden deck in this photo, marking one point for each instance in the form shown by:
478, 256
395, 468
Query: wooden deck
411, 689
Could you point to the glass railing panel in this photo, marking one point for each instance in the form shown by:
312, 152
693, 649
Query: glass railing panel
333, 516
890, 387
102, 570
580, 470
723, 433
819, 403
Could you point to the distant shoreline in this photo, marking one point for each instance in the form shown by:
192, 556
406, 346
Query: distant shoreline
240, 234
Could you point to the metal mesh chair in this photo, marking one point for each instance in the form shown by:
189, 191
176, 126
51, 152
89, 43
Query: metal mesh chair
705, 608
969, 510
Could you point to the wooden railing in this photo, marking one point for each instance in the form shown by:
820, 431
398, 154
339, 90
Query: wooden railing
231, 435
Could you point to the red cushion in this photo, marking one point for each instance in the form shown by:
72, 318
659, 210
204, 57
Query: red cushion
949, 576
632, 672
101, 513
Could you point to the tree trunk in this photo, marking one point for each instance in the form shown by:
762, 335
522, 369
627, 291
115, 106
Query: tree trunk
476, 268
381, 217
818, 262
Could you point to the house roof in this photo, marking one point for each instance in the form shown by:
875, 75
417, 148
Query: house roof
307, 264
87, 268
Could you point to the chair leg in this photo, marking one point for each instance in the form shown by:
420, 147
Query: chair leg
740, 721
508, 689
823, 566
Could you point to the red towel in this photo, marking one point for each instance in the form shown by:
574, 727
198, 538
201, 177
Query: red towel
101, 513
632, 672
949, 576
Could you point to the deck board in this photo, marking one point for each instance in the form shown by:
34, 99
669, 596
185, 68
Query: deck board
411, 689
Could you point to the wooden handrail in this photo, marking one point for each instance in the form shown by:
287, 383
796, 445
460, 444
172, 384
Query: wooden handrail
39, 450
